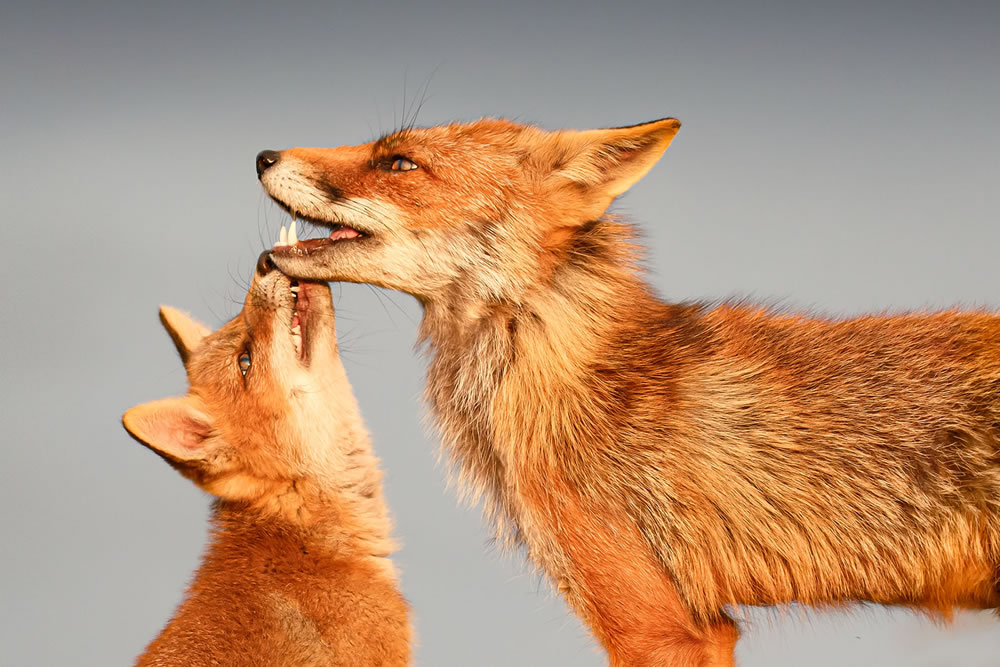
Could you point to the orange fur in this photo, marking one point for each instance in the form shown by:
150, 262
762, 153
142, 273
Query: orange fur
297, 569
661, 462
633, 607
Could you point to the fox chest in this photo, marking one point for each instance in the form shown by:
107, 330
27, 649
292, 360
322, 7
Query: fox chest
510, 440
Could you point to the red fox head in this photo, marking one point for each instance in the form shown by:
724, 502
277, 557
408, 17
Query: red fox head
487, 207
269, 404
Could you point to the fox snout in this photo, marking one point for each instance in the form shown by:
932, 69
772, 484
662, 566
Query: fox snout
266, 160
264, 264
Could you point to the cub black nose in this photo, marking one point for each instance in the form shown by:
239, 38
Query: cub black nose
264, 263
266, 160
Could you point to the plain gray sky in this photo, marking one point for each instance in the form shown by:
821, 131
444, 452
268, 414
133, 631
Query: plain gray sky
840, 157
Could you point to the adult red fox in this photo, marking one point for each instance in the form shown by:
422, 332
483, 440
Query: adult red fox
297, 570
661, 462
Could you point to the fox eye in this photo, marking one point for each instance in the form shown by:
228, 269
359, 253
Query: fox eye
244, 363
402, 164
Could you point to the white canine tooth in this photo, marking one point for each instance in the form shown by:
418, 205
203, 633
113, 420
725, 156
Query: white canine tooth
293, 237
297, 331
283, 236
294, 289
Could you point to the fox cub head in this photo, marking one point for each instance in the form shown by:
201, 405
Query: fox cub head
269, 405
487, 208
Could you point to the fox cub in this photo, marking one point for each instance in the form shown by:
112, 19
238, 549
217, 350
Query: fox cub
297, 571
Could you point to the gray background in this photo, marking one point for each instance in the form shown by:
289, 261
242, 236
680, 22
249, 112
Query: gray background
840, 158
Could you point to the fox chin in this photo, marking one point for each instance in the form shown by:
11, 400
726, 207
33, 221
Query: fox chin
659, 462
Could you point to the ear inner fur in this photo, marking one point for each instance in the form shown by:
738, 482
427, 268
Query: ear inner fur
617, 158
173, 427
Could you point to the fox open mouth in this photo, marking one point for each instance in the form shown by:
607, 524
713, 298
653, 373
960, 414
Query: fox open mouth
300, 325
288, 240
300, 316
309, 317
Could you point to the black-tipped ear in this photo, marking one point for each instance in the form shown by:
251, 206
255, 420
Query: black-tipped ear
611, 161
185, 331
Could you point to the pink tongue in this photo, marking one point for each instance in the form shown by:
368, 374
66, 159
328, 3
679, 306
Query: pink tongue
295, 320
343, 233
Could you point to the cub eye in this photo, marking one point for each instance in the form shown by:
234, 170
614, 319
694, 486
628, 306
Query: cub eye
244, 363
402, 164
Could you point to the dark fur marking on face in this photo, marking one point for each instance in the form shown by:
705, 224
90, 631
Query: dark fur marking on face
332, 192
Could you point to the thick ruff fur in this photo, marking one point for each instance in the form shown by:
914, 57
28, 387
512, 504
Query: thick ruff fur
661, 462
297, 569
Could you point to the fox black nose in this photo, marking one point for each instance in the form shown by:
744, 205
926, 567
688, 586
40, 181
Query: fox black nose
264, 263
266, 160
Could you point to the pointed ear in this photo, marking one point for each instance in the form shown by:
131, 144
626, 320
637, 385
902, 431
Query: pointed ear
174, 428
185, 331
609, 162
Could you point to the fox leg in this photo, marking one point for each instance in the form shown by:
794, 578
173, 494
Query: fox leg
631, 604
640, 621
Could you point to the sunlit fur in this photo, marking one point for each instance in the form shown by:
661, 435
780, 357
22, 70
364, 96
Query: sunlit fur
297, 571
664, 462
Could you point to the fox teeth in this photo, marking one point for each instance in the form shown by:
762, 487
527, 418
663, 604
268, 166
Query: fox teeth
294, 289
283, 236
293, 237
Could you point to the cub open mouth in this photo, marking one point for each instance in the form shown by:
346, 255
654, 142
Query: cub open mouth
300, 313
305, 324
299, 325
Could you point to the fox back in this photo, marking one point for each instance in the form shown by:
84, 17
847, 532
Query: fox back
661, 462
297, 570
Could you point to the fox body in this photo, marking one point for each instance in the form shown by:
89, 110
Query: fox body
661, 462
297, 569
